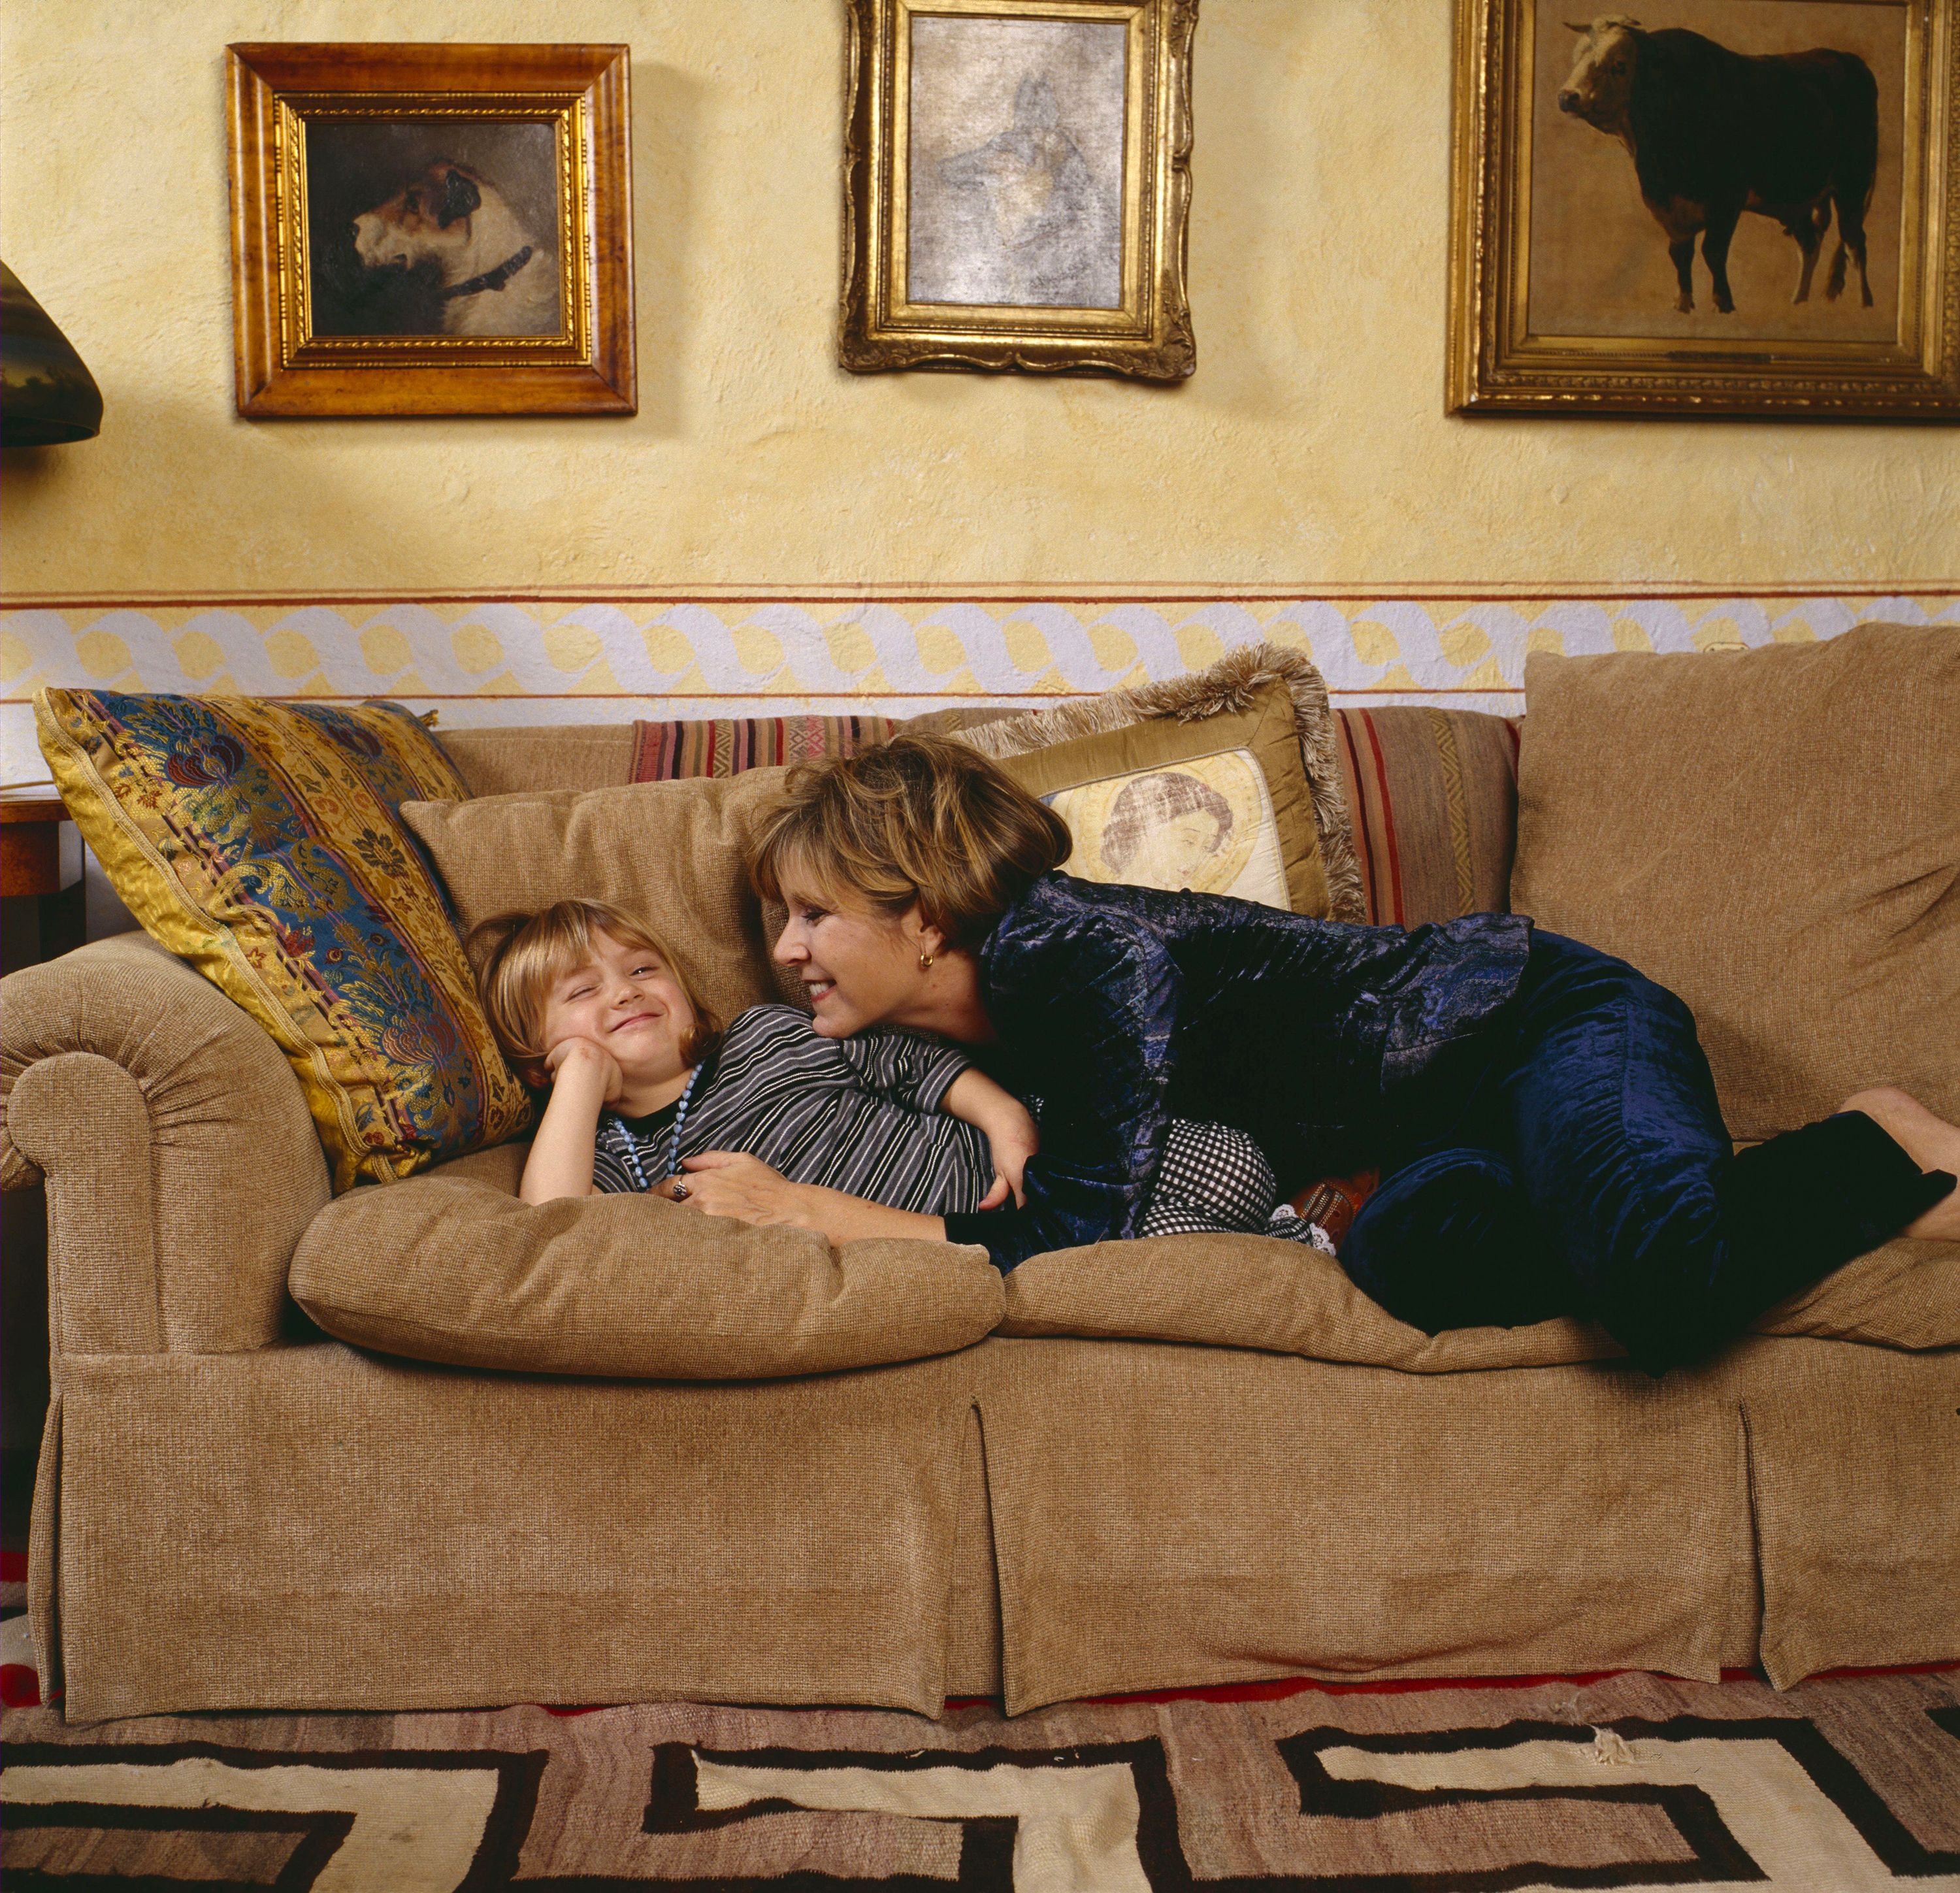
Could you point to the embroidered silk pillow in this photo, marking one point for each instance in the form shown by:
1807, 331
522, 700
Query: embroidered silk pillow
260, 841
1203, 783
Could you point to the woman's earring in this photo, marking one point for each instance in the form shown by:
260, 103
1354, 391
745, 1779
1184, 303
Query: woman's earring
925, 963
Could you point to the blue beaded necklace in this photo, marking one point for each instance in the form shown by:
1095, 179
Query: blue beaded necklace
629, 1148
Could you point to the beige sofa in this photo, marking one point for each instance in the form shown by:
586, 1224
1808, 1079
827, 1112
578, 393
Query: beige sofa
1174, 1463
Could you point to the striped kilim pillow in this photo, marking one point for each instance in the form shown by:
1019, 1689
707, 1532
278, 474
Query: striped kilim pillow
673, 752
1432, 798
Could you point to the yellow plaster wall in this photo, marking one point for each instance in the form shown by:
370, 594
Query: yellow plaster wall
1311, 449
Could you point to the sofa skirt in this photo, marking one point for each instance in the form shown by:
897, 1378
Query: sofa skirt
308, 1527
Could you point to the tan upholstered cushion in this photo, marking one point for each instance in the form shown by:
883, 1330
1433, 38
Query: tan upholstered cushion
1165, 1517
1255, 1291
450, 1267
1854, 1483
671, 852
1774, 835
1906, 1295
552, 755
347, 1530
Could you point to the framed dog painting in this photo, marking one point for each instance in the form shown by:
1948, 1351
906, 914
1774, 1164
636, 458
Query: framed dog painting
1721, 207
1017, 184
431, 229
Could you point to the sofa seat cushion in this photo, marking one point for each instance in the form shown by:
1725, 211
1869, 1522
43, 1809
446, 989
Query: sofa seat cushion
451, 1267
1906, 1295
1254, 1291
1774, 835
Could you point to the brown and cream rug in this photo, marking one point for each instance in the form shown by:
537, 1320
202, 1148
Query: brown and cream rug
1843, 1785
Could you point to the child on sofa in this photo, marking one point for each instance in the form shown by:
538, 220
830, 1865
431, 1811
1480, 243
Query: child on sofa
645, 1086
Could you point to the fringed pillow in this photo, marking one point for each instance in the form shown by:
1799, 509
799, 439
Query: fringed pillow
260, 841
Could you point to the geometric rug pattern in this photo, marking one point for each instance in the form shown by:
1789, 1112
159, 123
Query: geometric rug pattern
1848, 1784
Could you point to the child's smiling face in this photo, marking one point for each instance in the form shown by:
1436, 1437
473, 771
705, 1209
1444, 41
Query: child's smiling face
625, 999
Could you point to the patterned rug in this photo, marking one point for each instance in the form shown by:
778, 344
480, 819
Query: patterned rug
1843, 1785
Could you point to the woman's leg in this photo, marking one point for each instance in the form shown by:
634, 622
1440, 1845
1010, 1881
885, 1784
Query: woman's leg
1450, 1241
1214, 1179
1601, 1101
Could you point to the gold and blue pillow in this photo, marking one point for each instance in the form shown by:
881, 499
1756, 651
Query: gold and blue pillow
260, 842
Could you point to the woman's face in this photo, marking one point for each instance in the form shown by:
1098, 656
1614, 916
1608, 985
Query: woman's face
859, 967
626, 999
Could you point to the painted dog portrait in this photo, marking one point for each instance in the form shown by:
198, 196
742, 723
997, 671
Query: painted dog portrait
426, 228
1694, 163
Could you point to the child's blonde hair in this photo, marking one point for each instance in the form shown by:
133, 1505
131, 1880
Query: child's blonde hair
518, 957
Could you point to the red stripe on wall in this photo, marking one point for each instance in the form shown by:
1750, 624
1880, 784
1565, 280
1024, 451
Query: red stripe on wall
845, 592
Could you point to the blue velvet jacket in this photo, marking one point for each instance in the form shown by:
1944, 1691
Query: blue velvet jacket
1122, 1008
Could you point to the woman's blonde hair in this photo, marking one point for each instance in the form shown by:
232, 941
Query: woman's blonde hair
518, 957
923, 818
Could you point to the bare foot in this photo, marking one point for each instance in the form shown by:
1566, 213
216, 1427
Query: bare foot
1930, 1141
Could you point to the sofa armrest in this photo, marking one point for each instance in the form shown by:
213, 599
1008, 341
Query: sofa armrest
181, 1163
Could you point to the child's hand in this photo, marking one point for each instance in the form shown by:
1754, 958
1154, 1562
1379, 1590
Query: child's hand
974, 1098
586, 1061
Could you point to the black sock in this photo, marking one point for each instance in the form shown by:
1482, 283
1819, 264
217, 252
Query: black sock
1803, 1204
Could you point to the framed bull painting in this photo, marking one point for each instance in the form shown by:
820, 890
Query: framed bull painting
1016, 183
431, 229
1720, 207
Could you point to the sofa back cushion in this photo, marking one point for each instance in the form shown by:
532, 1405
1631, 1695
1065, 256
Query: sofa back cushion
452, 1267
1775, 836
260, 842
673, 853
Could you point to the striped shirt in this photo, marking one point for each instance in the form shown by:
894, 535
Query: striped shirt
860, 1115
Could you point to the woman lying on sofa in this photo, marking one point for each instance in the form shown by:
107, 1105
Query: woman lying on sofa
585, 999
1543, 1119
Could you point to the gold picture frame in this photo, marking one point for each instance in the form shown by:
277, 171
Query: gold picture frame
1572, 292
431, 229
1017, 186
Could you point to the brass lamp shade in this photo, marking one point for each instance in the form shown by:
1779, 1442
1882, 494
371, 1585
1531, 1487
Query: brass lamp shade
46, 395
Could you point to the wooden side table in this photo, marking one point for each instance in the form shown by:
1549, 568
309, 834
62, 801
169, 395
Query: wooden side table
41, 911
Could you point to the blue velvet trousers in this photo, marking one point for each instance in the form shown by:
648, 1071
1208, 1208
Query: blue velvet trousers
1575, 1162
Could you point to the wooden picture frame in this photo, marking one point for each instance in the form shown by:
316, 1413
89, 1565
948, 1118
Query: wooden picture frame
1017, 186
366, 180
1589, 264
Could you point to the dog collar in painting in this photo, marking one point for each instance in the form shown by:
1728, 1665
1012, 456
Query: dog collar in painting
491, 279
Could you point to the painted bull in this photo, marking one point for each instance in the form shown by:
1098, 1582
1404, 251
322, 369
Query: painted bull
1713, 133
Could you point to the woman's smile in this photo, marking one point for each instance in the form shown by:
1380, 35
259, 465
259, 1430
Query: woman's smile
857, 965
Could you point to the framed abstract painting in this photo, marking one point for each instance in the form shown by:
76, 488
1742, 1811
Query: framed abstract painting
1723, 206
431, 229
1017, 182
